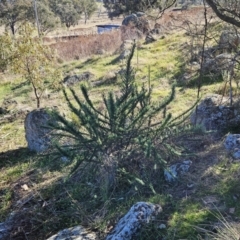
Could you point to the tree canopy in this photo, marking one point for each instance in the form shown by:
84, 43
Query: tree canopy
88, 6
116, 8
49, 12
228, 11
14, 11
46, 17
69, 11
33, 60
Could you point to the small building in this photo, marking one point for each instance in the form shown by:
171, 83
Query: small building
107, 28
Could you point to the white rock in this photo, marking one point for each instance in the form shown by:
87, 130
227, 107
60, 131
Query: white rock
171, 174
139, 214
74, 233
232, 143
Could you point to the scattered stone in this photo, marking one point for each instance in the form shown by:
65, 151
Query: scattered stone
25, 187
185, 7
101, 52
37, 134
8, 105
190, 185
186, 77
210, 200
72, 80
153, 36
173, 172
74, 233
140, 213
20, 114
140, 14
150, 38
162, 226
157, 26
65, 159
231, 210
109, 78
214, 113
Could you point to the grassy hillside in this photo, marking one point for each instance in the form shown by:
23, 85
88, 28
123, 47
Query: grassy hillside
52, 201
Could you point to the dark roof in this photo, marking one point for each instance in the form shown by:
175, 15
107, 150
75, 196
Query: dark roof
108, 25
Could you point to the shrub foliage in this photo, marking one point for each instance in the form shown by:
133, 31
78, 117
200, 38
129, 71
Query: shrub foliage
126, 142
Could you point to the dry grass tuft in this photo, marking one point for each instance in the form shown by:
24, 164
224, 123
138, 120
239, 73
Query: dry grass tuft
226, 231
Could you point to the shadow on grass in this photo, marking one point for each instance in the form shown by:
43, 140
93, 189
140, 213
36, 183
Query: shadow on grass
20, 85
13, 157
89, 61
192, 79
204, 81
114, 61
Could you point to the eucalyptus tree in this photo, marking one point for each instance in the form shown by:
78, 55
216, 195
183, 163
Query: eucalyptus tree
116, 8
46, 18
69, 11
32, 60
88, 8
228, 11
13, 12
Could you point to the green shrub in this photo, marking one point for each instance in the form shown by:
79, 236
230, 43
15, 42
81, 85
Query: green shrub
123, 147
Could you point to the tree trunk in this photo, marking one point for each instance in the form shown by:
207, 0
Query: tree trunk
12, 26
36, 95
86, 17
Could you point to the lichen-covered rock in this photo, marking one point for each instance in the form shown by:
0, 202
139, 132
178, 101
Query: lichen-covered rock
218, 64
232, 143
214, 113
229, 40
36, 132
130, 19
74, 233
139, 214
173, 172
138, 21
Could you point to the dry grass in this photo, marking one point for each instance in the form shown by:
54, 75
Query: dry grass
226, 230
85, 46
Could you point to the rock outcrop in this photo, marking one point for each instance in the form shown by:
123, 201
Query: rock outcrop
138, 21
232, 144
172, 173
221, 57
229, 40
214, 113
